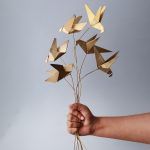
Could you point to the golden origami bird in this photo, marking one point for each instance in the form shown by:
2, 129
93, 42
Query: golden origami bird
59, 72
95, 20
104, 65
89, 45
73, 25
56, 52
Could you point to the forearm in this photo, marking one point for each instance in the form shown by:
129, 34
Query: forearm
132, 128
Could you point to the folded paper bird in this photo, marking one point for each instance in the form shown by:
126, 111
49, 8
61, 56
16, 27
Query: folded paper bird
73, 25
56, 52
59, 72
95, 20
105, 65
89, 45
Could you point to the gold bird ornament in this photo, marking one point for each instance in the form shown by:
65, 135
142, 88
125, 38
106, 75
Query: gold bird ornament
56, 52
59, 72
89, 45
73, 25
105, 65
95, 19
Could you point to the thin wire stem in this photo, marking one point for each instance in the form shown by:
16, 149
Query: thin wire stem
74, 146
77, 143
80, 71
79, 83
69, 83
84, 33
81, 78
77, 70
70, 73
89, 73
81, 142
83, 63
72, 86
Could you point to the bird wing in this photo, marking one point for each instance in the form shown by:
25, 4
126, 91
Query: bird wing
90, 14
54, 46
82, 45
101, 50
99, 26
68, 26
54, 55
77, 19
79, 26
53, 52
102, 12
99, 14
58, 67
63, 47
110, 61
91, 44
50, 57
54, 76
100, 60
59, 72
92, 38
68, 67
65, 71
46, 60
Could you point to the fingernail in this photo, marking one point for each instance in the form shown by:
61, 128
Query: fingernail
82, 118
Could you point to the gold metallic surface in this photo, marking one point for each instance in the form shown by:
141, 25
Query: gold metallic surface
104, 65
95, 20
59, 72
89, 45
56, 52
73, 25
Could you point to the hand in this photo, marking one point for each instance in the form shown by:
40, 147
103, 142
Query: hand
80, 120
131, 128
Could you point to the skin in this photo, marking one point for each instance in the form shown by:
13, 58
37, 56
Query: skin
134, 128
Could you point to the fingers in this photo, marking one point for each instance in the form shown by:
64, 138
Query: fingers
84, 110
78, 115
73, 118
74, 122
74, 106
73, 127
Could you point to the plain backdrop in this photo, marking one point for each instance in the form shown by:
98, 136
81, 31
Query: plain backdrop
32, 112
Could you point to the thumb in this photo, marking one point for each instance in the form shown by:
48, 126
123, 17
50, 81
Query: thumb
84, 110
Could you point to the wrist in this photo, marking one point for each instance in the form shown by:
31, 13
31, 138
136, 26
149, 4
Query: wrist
97, 125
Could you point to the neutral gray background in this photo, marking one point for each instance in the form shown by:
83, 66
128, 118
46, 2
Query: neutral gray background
33, 113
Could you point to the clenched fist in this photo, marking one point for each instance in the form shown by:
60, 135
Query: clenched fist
80, 119
131, 128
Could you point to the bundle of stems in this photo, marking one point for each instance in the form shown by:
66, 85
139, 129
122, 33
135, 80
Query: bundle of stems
76, 84
71, 27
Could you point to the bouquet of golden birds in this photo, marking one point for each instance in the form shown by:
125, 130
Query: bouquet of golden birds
89, 47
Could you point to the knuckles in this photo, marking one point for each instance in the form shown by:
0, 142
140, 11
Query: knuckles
74, 117
73, 124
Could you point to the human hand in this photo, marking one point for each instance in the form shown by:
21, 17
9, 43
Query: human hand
80, 120
130, 128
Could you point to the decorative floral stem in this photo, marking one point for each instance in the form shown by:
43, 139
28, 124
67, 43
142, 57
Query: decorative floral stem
84, 33
69, 83
89, 73
77, 70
